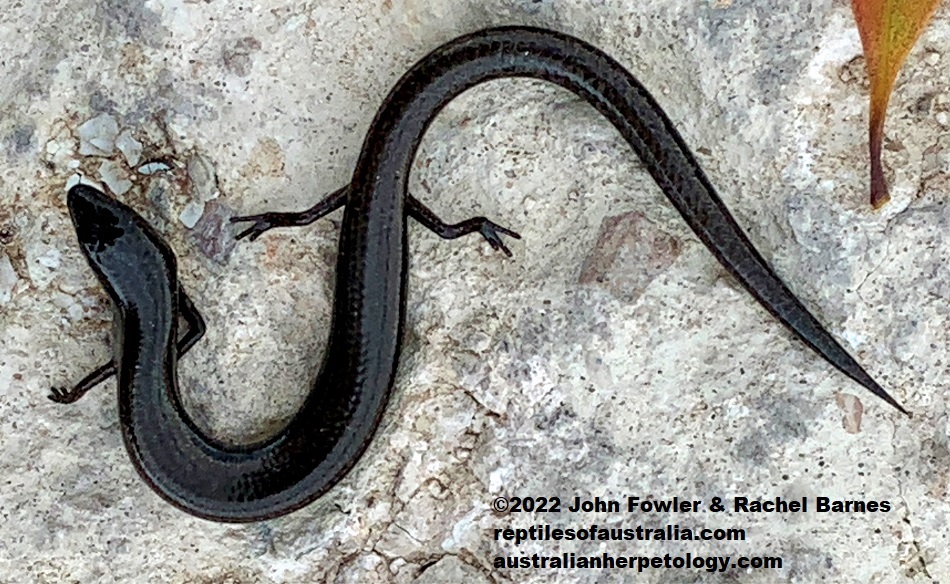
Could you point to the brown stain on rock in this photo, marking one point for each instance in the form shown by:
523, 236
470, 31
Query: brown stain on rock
214, 233
267, 159
853, 412
629, 254
238, 58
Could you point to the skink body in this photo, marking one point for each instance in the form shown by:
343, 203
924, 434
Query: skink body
339, 417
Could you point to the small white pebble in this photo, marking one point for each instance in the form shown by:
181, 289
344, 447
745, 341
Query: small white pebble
80, 179
153, 167
129, 147
943, 119
97, 136
75, 312
191, 214
396, 565
61, 300
50, 259
114, 176
67, 287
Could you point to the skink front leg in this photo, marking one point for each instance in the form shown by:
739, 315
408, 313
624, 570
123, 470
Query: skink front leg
194, 329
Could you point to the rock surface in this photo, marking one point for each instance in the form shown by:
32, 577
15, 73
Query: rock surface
611, 357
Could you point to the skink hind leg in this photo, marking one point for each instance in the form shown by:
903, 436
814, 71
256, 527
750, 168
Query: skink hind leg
266, 221
489, 230
194, 329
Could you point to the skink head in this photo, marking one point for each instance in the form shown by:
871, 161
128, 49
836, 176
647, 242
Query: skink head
120, 245
98, 220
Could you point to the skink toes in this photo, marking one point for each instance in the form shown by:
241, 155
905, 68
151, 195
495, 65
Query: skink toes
490, 232
63, 396
261, 224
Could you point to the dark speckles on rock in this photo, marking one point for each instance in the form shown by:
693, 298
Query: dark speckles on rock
165, 82
238, 57
821, 251
855, 72
785, 421
99, 101
157, 194
241, 576
21, 139
934, 463
531, 7
132, 18
787, 45
7, 233
803, 561
213, 234
451, 569
630, 252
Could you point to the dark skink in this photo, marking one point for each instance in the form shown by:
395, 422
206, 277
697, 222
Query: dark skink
339, 417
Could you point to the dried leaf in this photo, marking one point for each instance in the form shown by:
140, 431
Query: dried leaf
889, 29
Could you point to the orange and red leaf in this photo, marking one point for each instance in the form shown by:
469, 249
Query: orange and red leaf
889, 29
